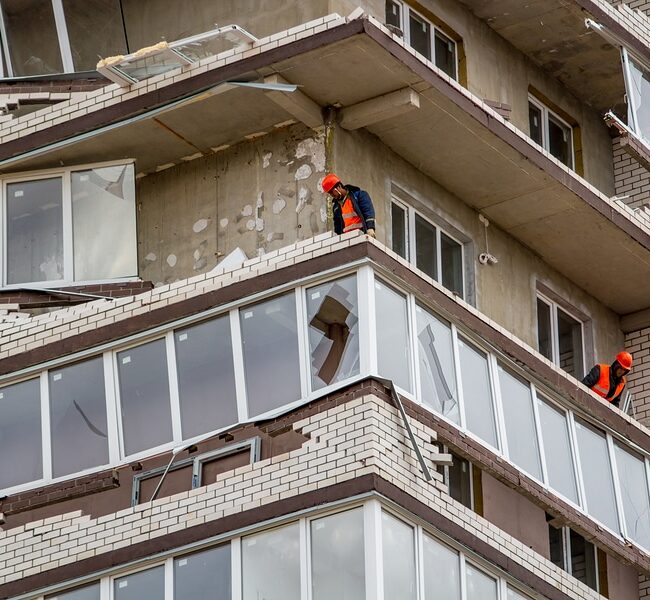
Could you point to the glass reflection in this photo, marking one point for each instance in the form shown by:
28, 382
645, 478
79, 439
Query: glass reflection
203, 575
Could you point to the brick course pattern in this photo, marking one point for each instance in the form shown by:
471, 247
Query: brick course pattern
638, 344
363, 436
630, 178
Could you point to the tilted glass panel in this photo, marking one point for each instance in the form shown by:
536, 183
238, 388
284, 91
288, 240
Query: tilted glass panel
597, 475
559, 141
398, 551
441, 566
150, 66
333, 317
32, 38
203, 575
570, 342
144, 396
426, 251
640, 98
337, 557
544, 332
103, 223
480, 586
451, 257
398, 229
445, 53
143, 585
21, 458
88, 592
393, 358
271, 564
477, 397
271, 361
437, 370
517, 400
535, 124
633, 484
583, 560
206, 376
393, 14
420, 34
34, 231
557, 450
78, 417
95, 29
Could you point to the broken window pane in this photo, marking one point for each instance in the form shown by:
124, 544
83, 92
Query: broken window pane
32, 37
399, 229
271, 360
393, 359
437, 371
638, 91
535, 123
583, 560
78, 417
559, 141
517, 400
206, 377
144, 396
441, 570
544, 335
570, 344
271, 564
203, 575
557, 450
95, 30
149, 584
337, 556
445, 53
21, 457
597, 475
398, 553
634, 494
332, 314
426, 256
419, 34
451, 255
393, 14
479, 409
35, 231
88, 592
103, 223
479, 584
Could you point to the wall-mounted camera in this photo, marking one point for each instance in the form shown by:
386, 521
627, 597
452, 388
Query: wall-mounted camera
487, 259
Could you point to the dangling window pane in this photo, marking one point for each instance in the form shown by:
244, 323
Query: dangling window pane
633, 483
332, 314
445, 52
451, 256
420, 34
398, 558
392, 336
479, 585
149, 584
399, 229
78, 417
437, 371
271, 361
441, 570
337, 557
203, 575
425, 247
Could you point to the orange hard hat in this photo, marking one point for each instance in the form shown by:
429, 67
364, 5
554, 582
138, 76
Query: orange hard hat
624, 359
329, 181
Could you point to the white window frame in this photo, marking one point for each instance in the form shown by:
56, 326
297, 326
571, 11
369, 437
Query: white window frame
546, 113
566, 554
65, 174
633, 123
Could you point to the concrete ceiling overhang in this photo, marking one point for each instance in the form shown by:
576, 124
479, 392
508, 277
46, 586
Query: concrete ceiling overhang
451, 137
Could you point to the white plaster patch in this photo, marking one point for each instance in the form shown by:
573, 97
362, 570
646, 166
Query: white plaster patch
197, 254
266, 159
151, 257
247, 211
260, 200
304, 196
259, 224
315, 150
303, 172
223, 223
172, 260
200, 225
279, 205
250, 224
323, 214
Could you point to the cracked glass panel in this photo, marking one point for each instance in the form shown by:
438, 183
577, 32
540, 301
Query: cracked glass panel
34, 231
441, 570
78, 417
332, 314
143, 585
437, 370
398, 544
633, 483
203, 575
103, 223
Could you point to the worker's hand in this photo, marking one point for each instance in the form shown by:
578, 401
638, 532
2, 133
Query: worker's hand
371, 233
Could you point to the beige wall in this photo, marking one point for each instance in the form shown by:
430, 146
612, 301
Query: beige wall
622, 581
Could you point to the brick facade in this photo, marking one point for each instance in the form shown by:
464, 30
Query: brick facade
630, 178
638, 343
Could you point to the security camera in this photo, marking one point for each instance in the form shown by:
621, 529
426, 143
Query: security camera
487, 259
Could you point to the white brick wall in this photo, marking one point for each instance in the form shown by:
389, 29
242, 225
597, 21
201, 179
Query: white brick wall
630, 178
638, 344
361, 437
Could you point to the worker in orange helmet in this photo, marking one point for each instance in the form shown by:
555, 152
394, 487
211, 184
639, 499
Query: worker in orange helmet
609, 381
352, 207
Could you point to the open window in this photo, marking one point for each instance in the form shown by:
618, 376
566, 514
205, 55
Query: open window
637, 86
551, 131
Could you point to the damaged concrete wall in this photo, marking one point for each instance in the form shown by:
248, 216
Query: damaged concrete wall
259, 195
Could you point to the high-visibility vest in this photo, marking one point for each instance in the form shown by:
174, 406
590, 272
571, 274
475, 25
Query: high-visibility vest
602, 385
351, 220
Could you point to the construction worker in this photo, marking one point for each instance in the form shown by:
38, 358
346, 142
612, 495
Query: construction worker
352, 206
609, 381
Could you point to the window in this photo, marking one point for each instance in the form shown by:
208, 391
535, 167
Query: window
560, 337
76, 225
149, 584
203, 575
458, 477
637, 85
423, 36
550, 131
441, 570
480, 584
88, 592
575, 555
432, 250
398, 543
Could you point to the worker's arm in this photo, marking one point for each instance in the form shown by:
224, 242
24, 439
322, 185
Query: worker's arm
591, 378
367, 209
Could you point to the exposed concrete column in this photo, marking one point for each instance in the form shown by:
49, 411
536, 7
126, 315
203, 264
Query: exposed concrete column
330, 128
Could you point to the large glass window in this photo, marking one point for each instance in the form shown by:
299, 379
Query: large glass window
20, 433
518, 414
550, 131
88, 592
332, 314
149, 584
477, 397
436, 360
337, 557
480, 586
78, 417
393, 358
441, 570
271, 565
144, 396
206, 377
203, 575
398, 543
271, 360
633, 484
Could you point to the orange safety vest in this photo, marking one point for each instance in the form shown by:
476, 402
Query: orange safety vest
351, 220
602, 386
